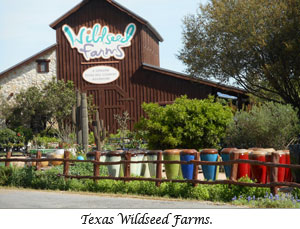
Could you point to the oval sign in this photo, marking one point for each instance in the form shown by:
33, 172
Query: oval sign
100, 74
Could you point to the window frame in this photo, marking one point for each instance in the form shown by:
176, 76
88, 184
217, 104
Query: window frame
39, 65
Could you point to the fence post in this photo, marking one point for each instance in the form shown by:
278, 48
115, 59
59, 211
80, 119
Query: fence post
66, 163
8, 156
195, 172
38, 156
274, 172
96, 166
234, 167
159, 168
127, 165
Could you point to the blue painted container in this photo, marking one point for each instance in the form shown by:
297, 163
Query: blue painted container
225, 154
209, 171
187, 170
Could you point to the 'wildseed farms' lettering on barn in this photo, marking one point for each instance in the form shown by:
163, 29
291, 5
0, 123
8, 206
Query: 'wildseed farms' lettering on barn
98, 42
113, 55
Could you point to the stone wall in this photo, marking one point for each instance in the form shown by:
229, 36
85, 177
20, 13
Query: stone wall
25, 76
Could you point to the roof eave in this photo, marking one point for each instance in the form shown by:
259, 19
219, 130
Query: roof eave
189, 78
31, 58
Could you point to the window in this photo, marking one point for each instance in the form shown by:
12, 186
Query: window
43, 66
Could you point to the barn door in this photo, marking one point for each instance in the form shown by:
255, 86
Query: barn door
110, 100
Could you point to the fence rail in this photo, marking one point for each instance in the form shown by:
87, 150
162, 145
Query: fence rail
273, 185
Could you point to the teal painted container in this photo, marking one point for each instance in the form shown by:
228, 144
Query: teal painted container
209, 171
225, 154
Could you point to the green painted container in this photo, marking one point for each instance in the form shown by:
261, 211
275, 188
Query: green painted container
173, 171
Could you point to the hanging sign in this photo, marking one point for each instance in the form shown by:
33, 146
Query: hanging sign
100, 74
98, 42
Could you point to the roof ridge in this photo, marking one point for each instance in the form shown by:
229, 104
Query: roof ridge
115, 4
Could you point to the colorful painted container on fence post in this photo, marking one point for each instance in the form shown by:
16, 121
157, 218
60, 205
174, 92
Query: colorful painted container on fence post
172, 170
258, 172
187, 170
114, 156
136, 168
209, 171
152, 156
288, 174
281, 170
268, 156
225, 154
91, 156
243, 168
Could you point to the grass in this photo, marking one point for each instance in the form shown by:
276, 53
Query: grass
238, 195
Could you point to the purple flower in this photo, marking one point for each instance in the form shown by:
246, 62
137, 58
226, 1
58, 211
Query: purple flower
276, 197
249, 198
234, 198
253, 198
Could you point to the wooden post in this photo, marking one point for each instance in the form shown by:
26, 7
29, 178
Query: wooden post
66, 163
234, 167
8, 156
38, 156
196, 166
127, 165
159, 168
96, 166
274, 172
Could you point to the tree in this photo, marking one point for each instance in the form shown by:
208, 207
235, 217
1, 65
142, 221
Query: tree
269, 125
35, 107
254, 42
188, 123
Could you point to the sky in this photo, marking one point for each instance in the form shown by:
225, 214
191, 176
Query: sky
25, 28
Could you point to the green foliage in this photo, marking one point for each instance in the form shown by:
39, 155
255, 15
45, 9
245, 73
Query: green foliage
132, 140
256, 43
60, 98
26, 132
44, 142
188, 123
240, 195
268, 125
9, 138
35, 107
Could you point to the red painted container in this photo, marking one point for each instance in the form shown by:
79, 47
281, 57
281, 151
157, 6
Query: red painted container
243, 168
288, 174
258, 172
281, 170
269, 152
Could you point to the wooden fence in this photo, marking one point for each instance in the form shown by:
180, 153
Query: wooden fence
273, 185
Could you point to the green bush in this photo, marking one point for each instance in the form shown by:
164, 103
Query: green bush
253, 196
188, 123
9, 138
267, 125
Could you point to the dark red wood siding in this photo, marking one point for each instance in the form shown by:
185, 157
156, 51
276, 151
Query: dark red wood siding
135, 85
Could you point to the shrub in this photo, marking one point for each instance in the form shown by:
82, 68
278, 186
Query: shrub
188, 123
9, 138
268, 125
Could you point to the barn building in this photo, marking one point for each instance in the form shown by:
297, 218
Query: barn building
113, 54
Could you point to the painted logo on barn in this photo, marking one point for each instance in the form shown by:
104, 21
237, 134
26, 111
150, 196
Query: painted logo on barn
98, 42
